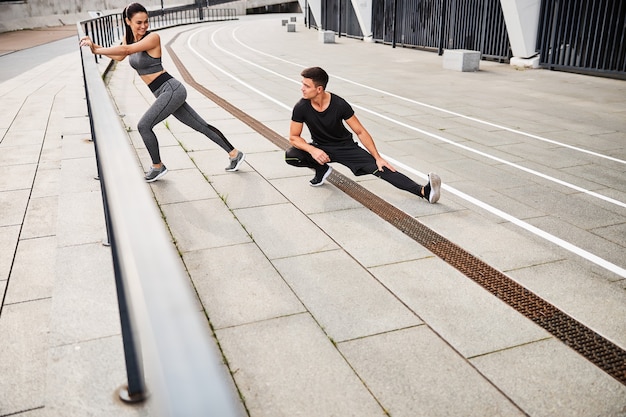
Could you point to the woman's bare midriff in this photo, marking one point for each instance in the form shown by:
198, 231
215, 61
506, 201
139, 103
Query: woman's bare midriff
148, 78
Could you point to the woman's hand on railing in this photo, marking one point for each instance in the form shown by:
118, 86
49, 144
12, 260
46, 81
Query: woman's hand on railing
86, 41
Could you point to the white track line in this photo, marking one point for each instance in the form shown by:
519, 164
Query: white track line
495, 211
429, 106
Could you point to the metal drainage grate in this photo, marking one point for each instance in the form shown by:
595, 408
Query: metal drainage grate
600, 351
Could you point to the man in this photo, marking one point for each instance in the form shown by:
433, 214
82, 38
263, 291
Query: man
324, 113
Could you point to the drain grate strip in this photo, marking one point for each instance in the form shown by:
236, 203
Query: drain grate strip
598, 350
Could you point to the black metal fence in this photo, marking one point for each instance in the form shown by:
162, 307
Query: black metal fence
586, 36
443, 24
427, 24
339, 16
105, 30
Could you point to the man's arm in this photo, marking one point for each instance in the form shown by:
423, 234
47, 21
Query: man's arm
368, 142
297, 141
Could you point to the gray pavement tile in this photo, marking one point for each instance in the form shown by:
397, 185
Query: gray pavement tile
498, 245
238, 285
17, 155
281, 230
193, 141
212, 162
513, 201
19, 137
50, 158
413, 373
81, 219
229, 125
548, 378
560, 174
182, 185
469, 318
254, 143
326, 199
586, 239
84, 300
422, 151
23, 355
545, 155
46, 182
612, 177
246, 189
17, 177
272, 165
77, 126
9, 106
288, 367
9, 236
78, 175
41, 218
76, 146
343, 297
83, 379
33, 273
577, 292
203, 224
614, 233
13, 206
33, 115
486, 175
579, 209
368, 238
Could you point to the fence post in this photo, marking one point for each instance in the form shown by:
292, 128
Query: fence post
442, 26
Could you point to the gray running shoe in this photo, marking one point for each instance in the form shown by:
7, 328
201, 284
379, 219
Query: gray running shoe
320, 175
434, 185
155, 173
236, 162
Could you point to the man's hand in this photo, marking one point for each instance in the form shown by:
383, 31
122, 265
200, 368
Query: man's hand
381, 163
320, 156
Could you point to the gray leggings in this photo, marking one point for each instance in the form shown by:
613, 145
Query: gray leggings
170, 100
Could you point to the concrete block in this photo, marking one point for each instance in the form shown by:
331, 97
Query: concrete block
291, 27
326, 36
525, 62
461, 60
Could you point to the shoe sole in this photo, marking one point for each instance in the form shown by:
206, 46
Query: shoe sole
330, 169
243, 158
435, 185
158, 176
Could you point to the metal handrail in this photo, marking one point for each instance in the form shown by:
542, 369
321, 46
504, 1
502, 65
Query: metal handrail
167, 346
108, 29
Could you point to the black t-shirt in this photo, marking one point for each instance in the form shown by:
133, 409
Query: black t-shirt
326, 127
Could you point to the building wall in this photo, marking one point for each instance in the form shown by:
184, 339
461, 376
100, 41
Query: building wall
46, 13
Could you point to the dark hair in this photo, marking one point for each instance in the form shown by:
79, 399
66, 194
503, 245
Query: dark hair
317, 75
128, 13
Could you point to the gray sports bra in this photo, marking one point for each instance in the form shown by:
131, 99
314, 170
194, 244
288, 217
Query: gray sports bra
144, 63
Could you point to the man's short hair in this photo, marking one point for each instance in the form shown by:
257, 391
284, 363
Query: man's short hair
317, 75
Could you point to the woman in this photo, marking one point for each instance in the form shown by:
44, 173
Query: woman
144, 49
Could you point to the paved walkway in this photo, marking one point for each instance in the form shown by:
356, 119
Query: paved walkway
321, 307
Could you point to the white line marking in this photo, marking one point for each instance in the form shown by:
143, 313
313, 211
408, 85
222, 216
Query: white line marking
419, 103
497, 212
